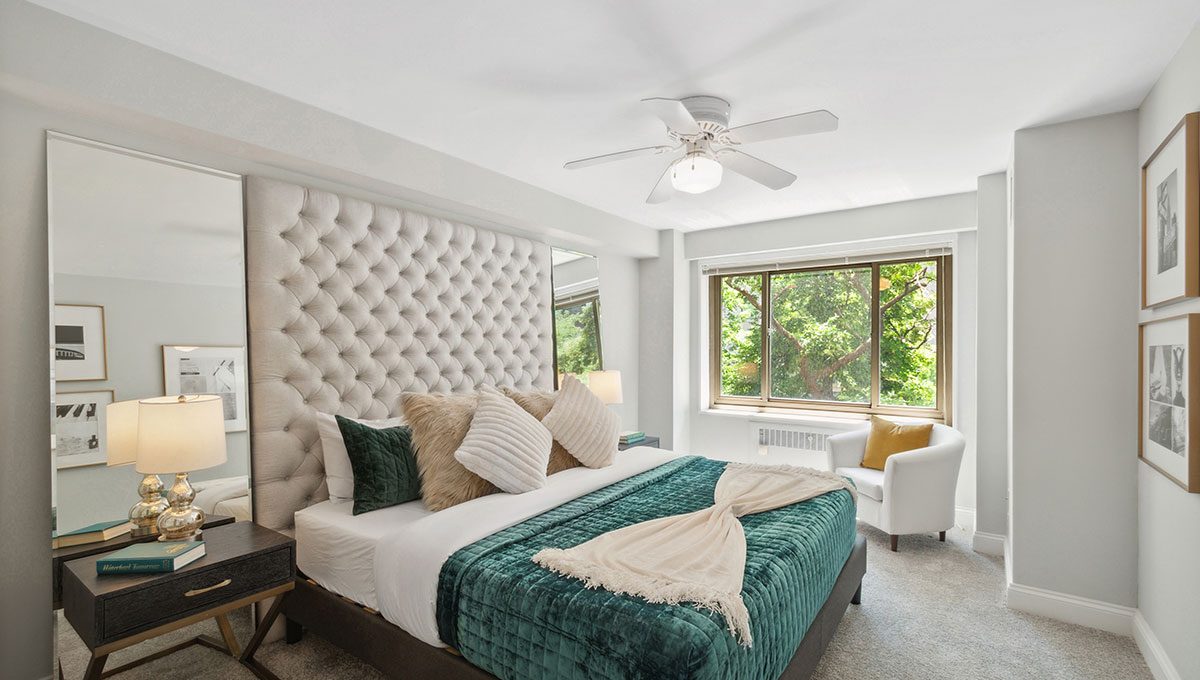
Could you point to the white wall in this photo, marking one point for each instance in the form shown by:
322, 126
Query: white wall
1168, 517
663, 346
1074, 373
991, 433
726, 434
140, 317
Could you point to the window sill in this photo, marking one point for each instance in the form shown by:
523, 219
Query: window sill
830, 419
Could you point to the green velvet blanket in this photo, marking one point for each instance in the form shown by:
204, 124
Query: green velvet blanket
514, 619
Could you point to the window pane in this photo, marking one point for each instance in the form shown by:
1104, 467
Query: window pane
908, 334
821, 335
741, 336
577, 338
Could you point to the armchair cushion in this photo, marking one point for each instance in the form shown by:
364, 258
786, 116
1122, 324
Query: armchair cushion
869, 482
887, 438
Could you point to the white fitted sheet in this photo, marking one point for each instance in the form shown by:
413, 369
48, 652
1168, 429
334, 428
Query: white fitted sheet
337, 549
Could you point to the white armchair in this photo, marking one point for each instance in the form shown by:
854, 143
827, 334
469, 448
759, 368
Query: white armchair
914, 493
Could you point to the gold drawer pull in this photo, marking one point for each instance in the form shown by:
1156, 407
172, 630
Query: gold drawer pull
201, 591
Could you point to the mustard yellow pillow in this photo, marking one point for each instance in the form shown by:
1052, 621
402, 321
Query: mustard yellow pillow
887, 438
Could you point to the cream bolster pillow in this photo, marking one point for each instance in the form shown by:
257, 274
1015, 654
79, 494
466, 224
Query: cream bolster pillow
338, 473
585, 427
505, 445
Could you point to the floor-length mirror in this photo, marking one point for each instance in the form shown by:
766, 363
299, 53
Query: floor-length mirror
147, 300
577, 344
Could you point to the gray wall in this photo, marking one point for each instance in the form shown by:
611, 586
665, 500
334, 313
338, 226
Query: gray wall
140, 317
1074, 338
991, 504
1168, 517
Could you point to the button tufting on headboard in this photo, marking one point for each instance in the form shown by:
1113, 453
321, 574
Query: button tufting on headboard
351, 303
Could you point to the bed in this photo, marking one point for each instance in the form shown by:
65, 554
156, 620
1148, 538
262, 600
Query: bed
350, 304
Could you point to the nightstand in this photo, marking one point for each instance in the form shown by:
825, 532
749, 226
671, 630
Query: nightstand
648, 441
62, 555
243, 564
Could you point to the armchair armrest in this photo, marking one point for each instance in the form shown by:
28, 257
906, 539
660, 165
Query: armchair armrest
847, 449
919, 487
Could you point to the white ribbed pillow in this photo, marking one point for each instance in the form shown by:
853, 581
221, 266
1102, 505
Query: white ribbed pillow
584, 426
505, 445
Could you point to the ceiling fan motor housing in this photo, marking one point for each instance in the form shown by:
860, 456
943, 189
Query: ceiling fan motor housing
708, 111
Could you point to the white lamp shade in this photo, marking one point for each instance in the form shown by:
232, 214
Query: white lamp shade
606, 385
180, 434
696, 173
122, 432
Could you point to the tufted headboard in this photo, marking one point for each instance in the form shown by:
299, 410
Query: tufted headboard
351, 303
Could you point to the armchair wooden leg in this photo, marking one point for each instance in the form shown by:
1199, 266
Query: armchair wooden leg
895, 540
942, 536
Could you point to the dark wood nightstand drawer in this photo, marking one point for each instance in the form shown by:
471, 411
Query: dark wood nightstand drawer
147, 607
241, 559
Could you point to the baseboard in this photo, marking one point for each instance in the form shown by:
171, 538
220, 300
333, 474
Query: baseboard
1152, 650
988, 544
1072, 609
964, 518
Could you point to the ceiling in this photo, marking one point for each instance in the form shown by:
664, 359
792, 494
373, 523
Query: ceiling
928, 93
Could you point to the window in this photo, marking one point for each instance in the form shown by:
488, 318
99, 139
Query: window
577, 334
869, 337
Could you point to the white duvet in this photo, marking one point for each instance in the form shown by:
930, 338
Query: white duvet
409, 559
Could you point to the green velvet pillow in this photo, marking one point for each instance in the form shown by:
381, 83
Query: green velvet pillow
385, 468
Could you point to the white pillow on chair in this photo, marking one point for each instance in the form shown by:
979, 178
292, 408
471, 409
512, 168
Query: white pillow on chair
585, 427
505, 445
338, 473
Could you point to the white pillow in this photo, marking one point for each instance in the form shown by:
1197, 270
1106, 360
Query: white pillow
338, 473
584, 426
505, 445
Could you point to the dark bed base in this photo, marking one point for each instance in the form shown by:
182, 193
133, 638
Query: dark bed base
370, 637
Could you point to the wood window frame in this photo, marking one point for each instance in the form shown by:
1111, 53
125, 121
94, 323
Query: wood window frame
765, 402
592, 296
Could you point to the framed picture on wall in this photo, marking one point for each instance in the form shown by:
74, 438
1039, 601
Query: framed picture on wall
1171, 217
1169, 380
80, 428
189, 369
80, 351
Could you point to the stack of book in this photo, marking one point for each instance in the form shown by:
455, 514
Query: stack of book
93, 533
154, 557
632, 437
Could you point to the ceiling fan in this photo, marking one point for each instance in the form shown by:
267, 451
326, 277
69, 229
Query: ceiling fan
700, 126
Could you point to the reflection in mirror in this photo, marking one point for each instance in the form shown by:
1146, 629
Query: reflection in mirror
576, 313
148, 300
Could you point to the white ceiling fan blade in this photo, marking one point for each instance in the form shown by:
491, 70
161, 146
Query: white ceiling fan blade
758, 170
663, 190
618, 156
674, 114
788, 126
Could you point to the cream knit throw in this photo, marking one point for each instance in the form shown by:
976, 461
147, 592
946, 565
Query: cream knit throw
699, 557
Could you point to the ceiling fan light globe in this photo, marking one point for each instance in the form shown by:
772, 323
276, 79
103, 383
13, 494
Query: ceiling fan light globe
695, 174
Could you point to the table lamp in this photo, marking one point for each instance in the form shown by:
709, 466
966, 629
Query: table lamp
606, 385
181, 435
122, 431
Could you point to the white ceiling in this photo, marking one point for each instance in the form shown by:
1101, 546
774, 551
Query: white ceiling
928, 93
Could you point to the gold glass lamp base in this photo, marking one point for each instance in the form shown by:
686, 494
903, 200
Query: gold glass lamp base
182, 520
144, 514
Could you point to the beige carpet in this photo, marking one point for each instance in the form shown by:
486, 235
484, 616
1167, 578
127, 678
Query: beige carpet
932, 611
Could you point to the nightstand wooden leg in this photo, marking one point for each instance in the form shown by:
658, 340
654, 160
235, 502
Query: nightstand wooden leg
231, 643
260, 632
95, 667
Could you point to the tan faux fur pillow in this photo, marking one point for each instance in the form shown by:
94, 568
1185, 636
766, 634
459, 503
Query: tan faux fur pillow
538, 404
439, 423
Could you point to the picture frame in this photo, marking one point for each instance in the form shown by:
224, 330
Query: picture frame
80, 428
1171, 217
80, 343
1168, 380
209, 369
